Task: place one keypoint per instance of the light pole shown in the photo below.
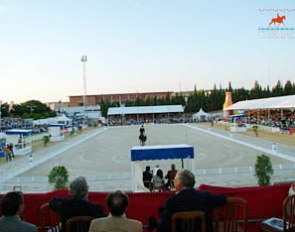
(84, 60)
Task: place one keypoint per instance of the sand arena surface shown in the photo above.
(105, 158)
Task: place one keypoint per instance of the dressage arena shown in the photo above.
(221, 158)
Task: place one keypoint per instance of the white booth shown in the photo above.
(158, 152)
(21, 140)
(56, 132)
(236, 125)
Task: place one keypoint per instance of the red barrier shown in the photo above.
(263, 202)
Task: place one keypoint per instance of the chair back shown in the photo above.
(233, 217)
(289, 213)
(78, 224)
(48, 218)
(188, 221)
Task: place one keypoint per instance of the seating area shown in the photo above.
(262, 202)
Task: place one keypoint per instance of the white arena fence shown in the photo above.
(127, 175)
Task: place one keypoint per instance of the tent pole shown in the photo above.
(182, 166)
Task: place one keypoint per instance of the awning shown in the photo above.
(162, 152)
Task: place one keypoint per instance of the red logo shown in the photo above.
(278, 21)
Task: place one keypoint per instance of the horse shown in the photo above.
(142, 137)
(278, 19)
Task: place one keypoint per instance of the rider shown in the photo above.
(142, 130)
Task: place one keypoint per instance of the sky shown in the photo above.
(140, 46)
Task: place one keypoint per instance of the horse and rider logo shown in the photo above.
(277, 21)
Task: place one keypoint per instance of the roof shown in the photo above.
(285, 102)
(160, 152)
(145, 109)
(19, 132)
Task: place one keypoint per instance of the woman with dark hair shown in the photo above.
(12, 206)
(158, 181)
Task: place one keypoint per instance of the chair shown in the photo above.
(49, 219)
(78, 224)
(187, 221)
(233, 217)
(287, 223)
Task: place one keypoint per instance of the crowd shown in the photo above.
(186, 198)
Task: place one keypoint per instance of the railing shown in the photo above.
(127, 175)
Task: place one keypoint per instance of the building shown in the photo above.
(92, 100)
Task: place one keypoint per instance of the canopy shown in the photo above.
(238, 116)
(162, 152)
(158, 152)
(145, 110)
(201, 114)
(285, 102)
(19, 132)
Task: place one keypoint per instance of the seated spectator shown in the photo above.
(78, 205)
(170, 177)
(12, 206)
(292, 189)
(188, 199)
(147, 177)
(117, 203)
(158, 181)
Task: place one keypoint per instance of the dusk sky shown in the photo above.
(140, 46)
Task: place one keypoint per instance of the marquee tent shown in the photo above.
(285, 102)
(201, 115)
(159, 152)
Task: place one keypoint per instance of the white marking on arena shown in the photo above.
(69, 145)
(269, 151)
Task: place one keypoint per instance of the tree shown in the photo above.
(263, 170)
(288, 89)
(46, 139)
(58, 176)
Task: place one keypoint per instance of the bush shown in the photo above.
(58, 176)
(46, 139)
(263, 170)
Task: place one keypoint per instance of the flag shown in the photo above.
(10, 106)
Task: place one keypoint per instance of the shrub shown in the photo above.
(46, 139)
(263, 170)
(58, 176)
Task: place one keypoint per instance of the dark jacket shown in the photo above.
(189, 200)
(68, 208)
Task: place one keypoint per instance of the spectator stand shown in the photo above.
(159, 152)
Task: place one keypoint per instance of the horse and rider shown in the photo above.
(142, 136)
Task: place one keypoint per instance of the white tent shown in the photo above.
(159, 152)
(285, 102)
(201, 115)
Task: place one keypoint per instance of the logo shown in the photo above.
(276, 26)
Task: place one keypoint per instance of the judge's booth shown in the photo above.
(159, 152)
(21, 140)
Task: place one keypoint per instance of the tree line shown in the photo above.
(210, 100)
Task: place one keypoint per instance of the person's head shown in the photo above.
(184, 179)
(173, 167)
(159, 173)
(79, 188)
(147, 168)
(117, 203)
(12, 204)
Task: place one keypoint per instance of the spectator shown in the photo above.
(117, 203)
(158, 181)
(78, 205)
(170, 177)
(12, 206)
(147, 177)
(292, 189)
(188, 199)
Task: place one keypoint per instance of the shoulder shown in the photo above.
(137, 225)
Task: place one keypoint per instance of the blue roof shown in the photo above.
(19, 132)
(162, 152)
